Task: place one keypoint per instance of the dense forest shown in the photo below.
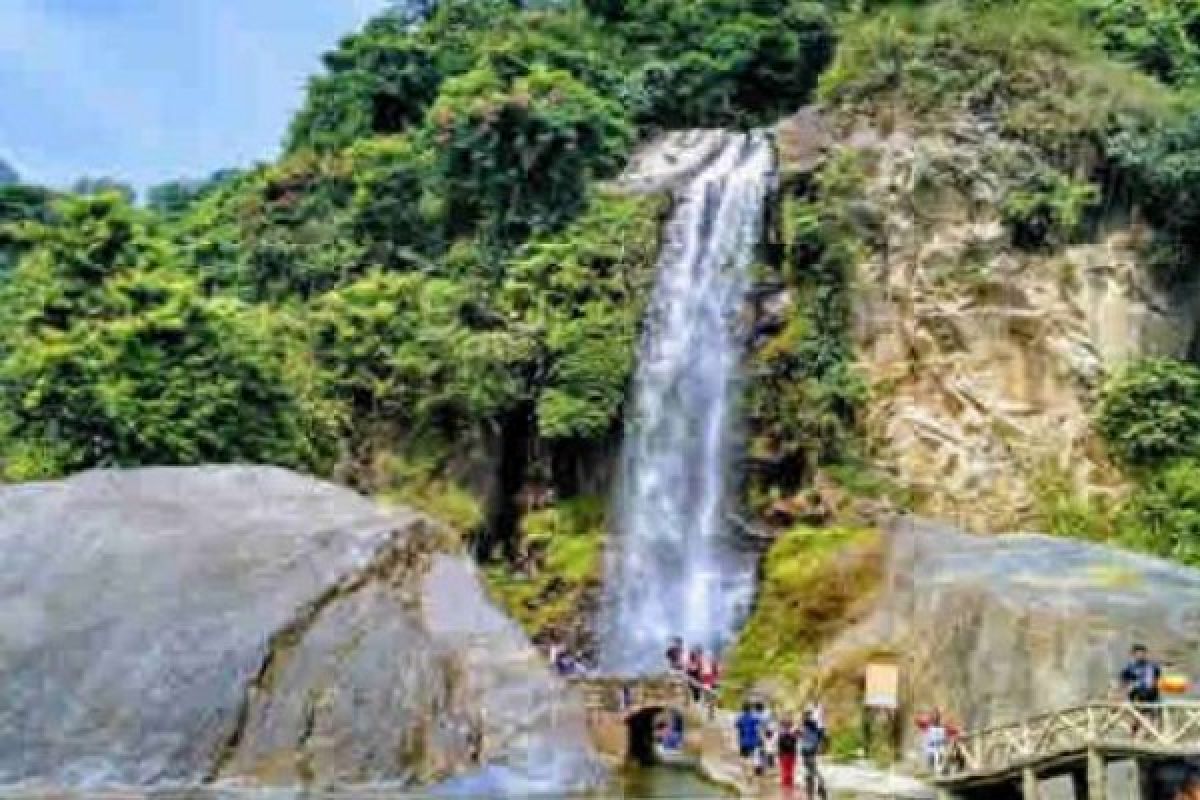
(434, 293)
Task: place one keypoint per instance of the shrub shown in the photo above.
(110, 356)
(1047, 210)
(1163, 515)
(1149, 413)
(516, 157)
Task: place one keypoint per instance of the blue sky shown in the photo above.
(150, 90)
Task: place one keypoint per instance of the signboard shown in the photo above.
(883, 686)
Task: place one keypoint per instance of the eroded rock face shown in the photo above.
(985, 359)
(997, 628)
(250, 625)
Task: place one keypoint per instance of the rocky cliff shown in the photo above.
(252, 626)
(983, 358)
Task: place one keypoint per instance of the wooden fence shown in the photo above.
(1161, 730)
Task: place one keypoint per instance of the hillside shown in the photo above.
(975, 299)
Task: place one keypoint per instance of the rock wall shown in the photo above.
(983, 359)
(993, 629)
(252, 626)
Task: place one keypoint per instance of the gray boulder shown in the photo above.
(253, 626)
(996, 628)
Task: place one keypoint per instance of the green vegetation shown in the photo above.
(111, 356)
(549, 591)
(1150, 412)
(417, 483)
(804, 403)
(433, 282)
(431, 267)
(815, 582)
(1047, 210)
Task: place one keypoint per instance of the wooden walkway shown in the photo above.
(1082, 739)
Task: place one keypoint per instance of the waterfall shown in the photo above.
(673, 567)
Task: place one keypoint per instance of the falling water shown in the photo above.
(673, 567)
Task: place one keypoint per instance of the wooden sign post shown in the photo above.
(881, 702)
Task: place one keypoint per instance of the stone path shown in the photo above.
(844, 781)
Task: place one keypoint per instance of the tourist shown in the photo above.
(1140, 677)
(710, 674)
(787, 745)
(564, 663)
(694, 668)
(812, 738)
(675, 655)
(748, 736)
(935, 741)
(770, 743)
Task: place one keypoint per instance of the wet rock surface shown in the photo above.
(996, 628)
(253, 626)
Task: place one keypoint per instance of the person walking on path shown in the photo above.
(749, 736)
(812, 737)
(788, 745)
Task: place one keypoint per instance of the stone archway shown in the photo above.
(647, 727)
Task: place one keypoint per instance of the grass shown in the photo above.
(815, 583)
(564, 548)
(415, 484)
(1032, 61)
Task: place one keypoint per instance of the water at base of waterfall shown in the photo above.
(673, 567)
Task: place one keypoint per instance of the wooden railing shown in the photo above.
(1166, 730)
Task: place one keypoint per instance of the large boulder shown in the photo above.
(996, 628)
(250, 625)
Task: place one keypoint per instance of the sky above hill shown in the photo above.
(150, 90)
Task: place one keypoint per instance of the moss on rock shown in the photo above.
(816, 583)
(551, 592)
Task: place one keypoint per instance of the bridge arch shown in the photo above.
(627, 715)
(649, 726)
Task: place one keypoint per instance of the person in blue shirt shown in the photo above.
(749, 733)
(1140, 677)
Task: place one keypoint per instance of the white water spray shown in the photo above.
(673, 567)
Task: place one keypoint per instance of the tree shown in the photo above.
(379, 81)
(111, 356)
(516, 157)
(90, 185)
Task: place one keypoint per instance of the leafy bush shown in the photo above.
(517, 157)
(1163, 516)
(378, 81)
(400, 346)
(110, 356)
(1047, 210)
(1162, 38)
(1149, 413)
(1161, 167)
(584, 290)
(1032, 64)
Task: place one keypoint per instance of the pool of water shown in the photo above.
(664, 782)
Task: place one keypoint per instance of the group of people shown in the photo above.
(703, 669)
(765, 746)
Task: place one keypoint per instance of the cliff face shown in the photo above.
(253, 626)
(983, 358)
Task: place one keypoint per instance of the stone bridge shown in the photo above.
(621, 713)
